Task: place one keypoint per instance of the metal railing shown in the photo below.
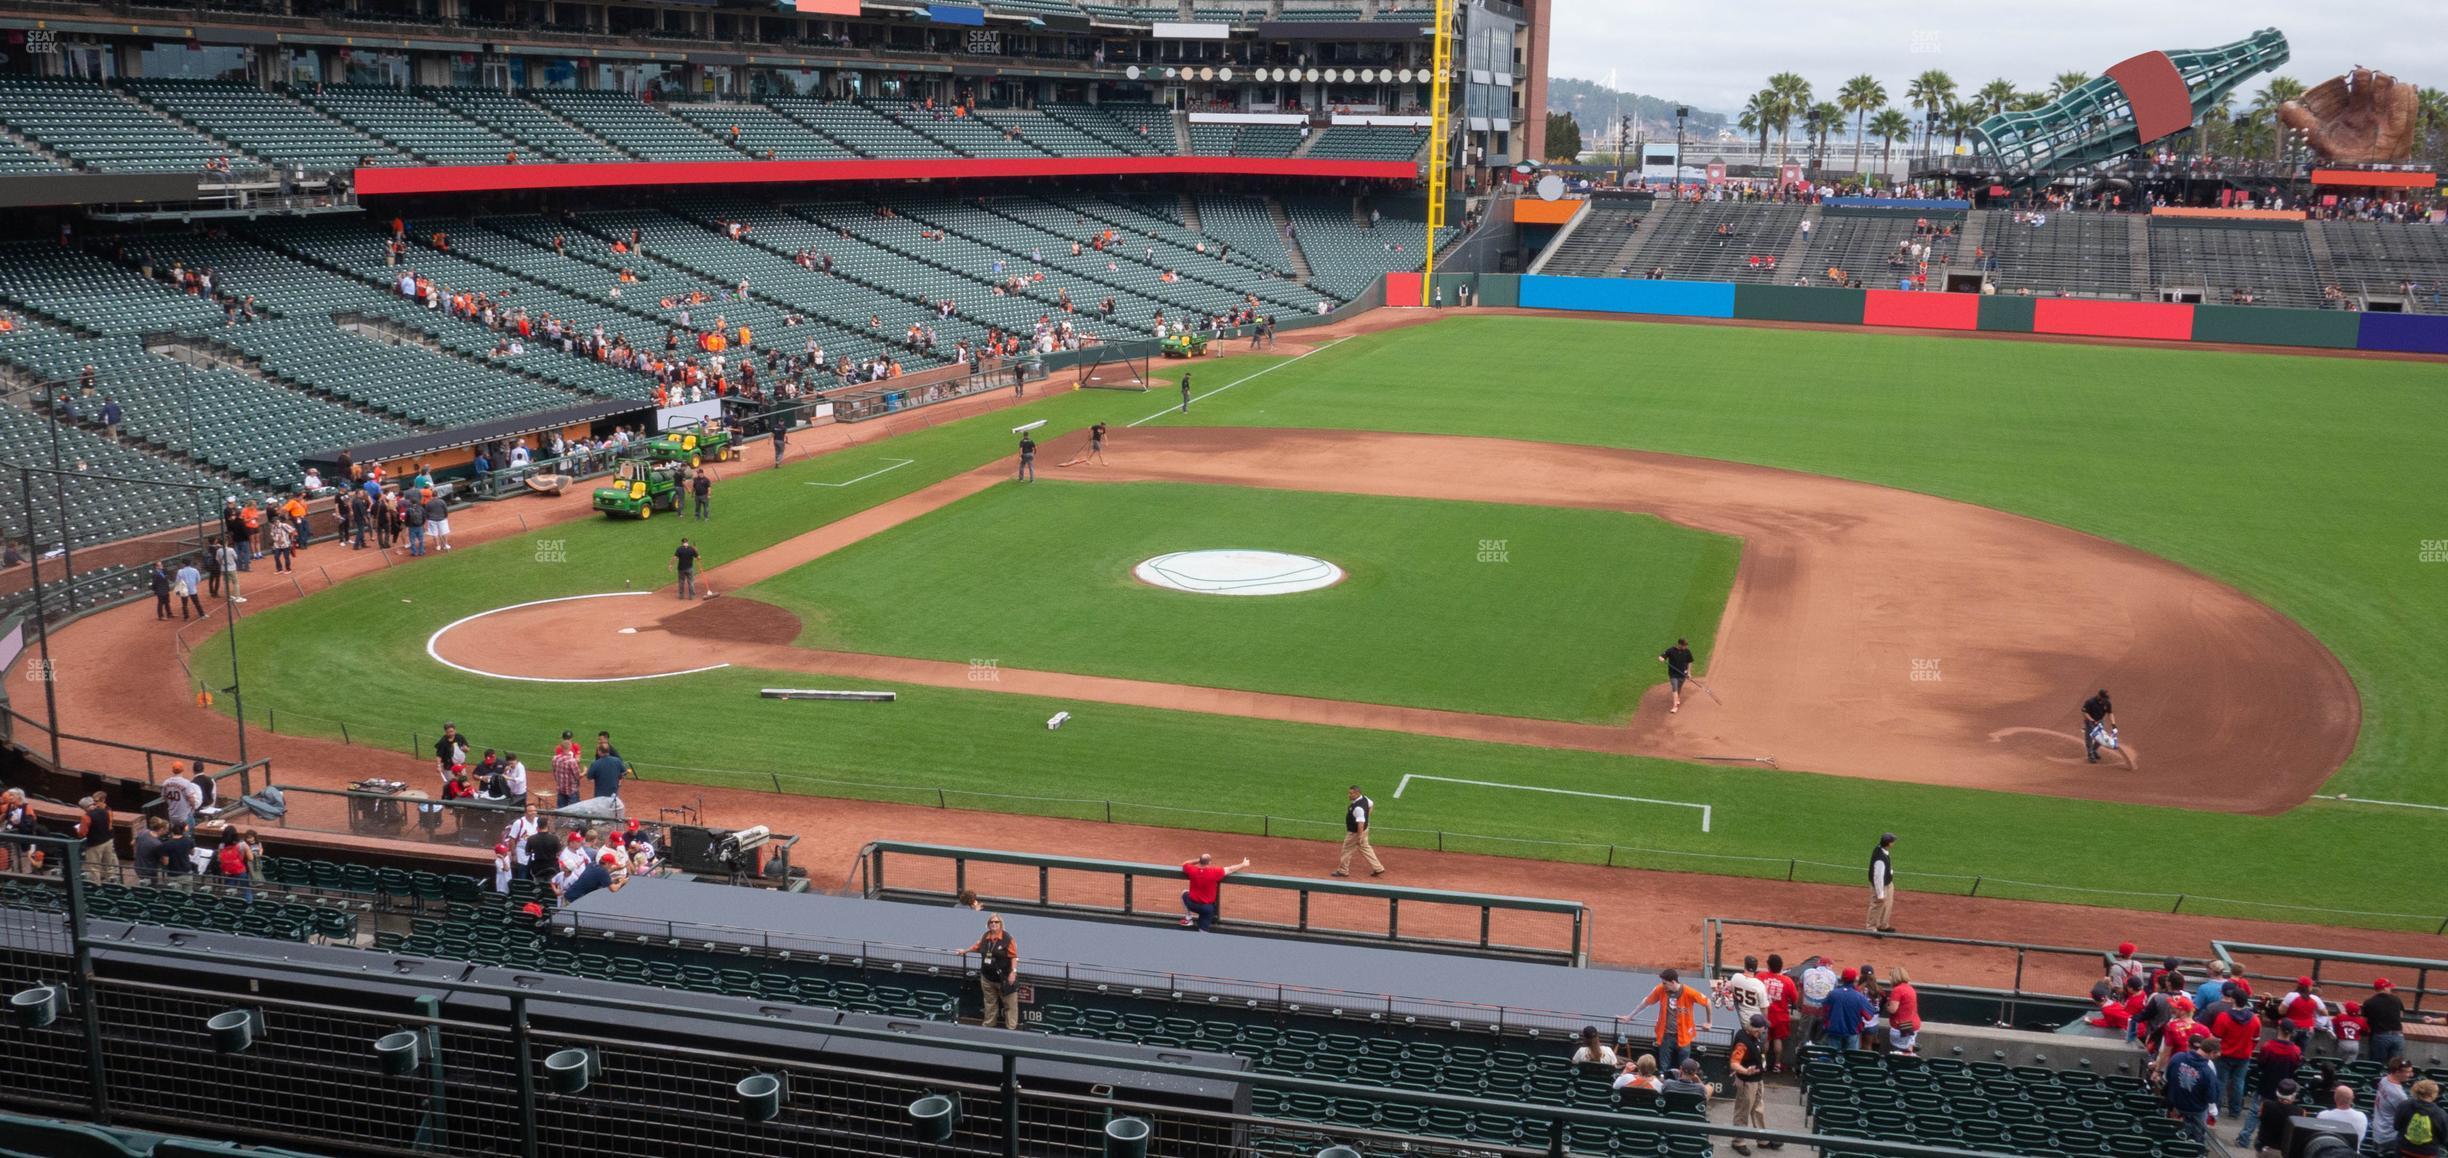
(2320, 965)
(328, 1051)
(873, 880)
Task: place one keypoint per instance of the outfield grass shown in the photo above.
(2308, 482)
(1559, 622)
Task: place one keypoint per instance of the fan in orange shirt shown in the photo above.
(1675, 1002)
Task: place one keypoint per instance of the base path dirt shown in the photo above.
(1871, 632)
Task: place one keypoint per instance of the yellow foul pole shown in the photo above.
(1440, 140)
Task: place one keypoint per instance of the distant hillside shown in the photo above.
(1594, 107)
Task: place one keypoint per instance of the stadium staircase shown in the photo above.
(1301, 268)
(1975, 235)
(1181, 131)
(12, 164)
(1309, 142)
(2138, 246)
(1190, 213)
(2324, 265)
(1790, 262)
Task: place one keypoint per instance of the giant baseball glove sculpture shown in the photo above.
(2363, 117)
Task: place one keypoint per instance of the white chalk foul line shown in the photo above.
(2389, 803)
(898, 463)
(436, 638)
(1241, 379)
(1408, 777)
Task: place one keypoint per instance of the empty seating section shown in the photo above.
(16, 160)
(762, 132)
(1214, 140)
(410, 382)
(2077, 254)
(1093, 276)
(1159, 217)
(971, 136)
(1175, 248)
(2379, 257)
(424, 129)
(89, 293)
(1269, 140)
(1596, 247)
(2272, 265)
(1871, 247)
(1685, 242)
(1346, 257)
(635, 126)
(1368, 143)
(98, 510)
(267, 124)
(891, 253)
(870, 133)
(1247, 224)
(1050, 134)
(1144, 129)
(1321, 12)
(225, 419)
(1988, 1106)
(530, 124)
(100, 128)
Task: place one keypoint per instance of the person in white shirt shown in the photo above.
(514, 777)
(1818, 981)
(1594, 1051)
(2345, 1114)
(1748, 993)
(518, 832)
(503, 858)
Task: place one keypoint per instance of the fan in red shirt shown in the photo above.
(2302, 1009)
(1206, 892)
(1783, 995)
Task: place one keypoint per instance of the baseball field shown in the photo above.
(1903, 559)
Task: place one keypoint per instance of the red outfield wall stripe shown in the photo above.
(1924, 311)
(1404, 289)
(2090, 319)
(496, 178)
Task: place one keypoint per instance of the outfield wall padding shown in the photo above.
(1988, 313)
(1922, 311)
(1999, 315)
(1679, 299)
(1786, 303)
(2259, 326)
(1488, 289)
(2095, 319)
(2404, 333)
(1402, 289)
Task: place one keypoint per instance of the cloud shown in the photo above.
(1714, 56)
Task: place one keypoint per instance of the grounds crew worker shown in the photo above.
(2098, 717)
(998, 968)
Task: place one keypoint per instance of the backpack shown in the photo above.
(2419, 1130)
(232, 860)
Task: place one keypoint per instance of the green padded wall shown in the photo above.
(1785, 303)
(2261, 325)
(2006, 315)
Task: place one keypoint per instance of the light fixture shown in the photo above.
(36, 1008)
(399, 1052)
(234, 1030)
(934, 1116)
(570, 1070)
(1127, 1138)
(760, 1097)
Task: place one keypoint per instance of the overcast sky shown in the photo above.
(1714, 55)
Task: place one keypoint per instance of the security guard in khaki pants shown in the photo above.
(998, 971)
(1355, 835)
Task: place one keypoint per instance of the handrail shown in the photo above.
(872, 856)
(2422, 968)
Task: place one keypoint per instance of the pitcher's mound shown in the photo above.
(732, 619)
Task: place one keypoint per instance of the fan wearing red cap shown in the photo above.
(504, 867)
(2384, 1022)
(2123, 967)
(2302, 1010)
(597, 876)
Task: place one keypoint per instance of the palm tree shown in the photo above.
(2251, 132)
(1961, 117)
(1859, 96)
(2066, 82)
(1930, 93)
(2210, 131)
(1996, 96)
(1888, 125)
(2279, 91)
(2431, 113)
(1794, 99)
(1826, 120)
(1759, 116)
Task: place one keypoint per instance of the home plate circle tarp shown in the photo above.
(1238, 572)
